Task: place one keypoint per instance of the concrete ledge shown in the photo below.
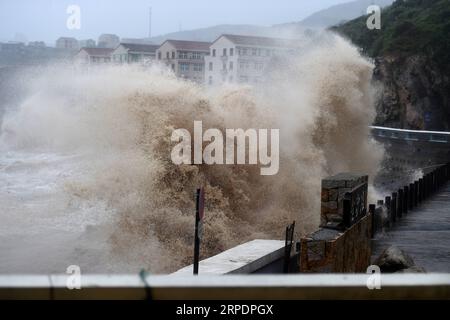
(317, 286)
(244, 259)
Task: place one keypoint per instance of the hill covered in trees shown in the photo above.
(412, 54)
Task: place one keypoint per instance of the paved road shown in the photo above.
(423, 233)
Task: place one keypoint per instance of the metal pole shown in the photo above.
(197, 239)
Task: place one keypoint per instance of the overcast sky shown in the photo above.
(46, 19)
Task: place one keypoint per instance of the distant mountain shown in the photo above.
(212, 33)
(340, 13)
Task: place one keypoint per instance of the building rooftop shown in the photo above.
(190, 45)
(140, 47)
(261, 41)
(98, 51)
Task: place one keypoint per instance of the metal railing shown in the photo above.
(272, 287)
(411, 135)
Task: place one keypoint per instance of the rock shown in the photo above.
(394, 259)
(413, 269)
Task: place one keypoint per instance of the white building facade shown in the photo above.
(185, 58)
(243, 59)
(134, 53)
(93, 56)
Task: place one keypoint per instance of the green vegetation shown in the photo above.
(408, 27)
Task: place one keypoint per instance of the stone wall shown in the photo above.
(328, 250)
(342, 244)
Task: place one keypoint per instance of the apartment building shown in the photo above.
(185, 58)
(244, 59)
(108, 40)
(93, 56)
(134, 53)
(67, 43)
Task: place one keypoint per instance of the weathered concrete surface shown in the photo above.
(327, 250)
(244, 259)
(424, 233)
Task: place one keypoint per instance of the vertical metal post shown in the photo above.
(416, 193)
(406, 199)
(199, 211)
(400, 203)
(372, 208)
(411, 196)
(197, 239)
(387, 202)
(288, 246)
(394, 207)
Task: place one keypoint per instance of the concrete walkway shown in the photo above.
(423, 233)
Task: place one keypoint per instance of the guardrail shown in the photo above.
(273, 287)
(408, 197)
(411, 135)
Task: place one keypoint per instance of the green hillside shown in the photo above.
(408, 27)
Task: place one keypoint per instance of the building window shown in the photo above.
(244, 51)
(183, 55)
(224, 52)
(210, 66)
(214, 52)
(173, 66)
(159, 55)
(167, 55)
(198, 67)
(254, 51)
(231, 52)
(184, 66)
(196, 55)
(259, 66)
(243, 65)
(231, 65)
(173, 54)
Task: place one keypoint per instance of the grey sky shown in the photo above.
(46, 19)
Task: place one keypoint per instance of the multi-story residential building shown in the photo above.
(185, 58)
(244, 59)
(93, 56)
(107, 40)
(134, 53)
(88, 43)
(67, 43)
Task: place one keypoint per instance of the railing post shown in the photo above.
(400, 203)
(372, 212)
(420, 190)
(394, 207)
(387, 202)
(416, 193)
(406, 199)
